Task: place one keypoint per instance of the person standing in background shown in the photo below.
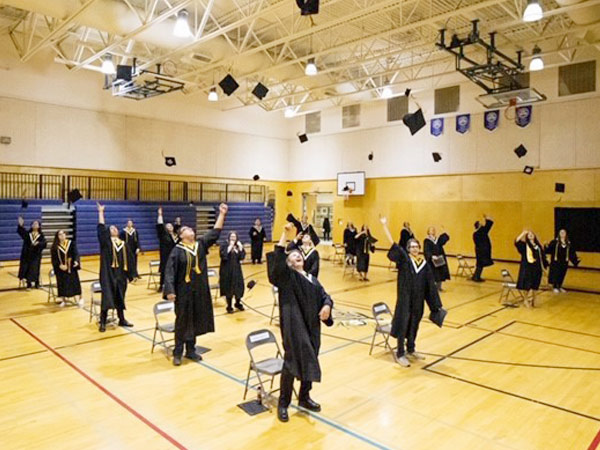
(533, 263)
(34, 242)
(561, 252)
(257, 237)
(483, 247)
(132, 242)
(350, 243)
(326, 229)
(231, 278)
(66, 265)
(436, 256)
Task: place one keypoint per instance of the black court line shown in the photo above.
(559, 329)
(103, 338)
(8, 358)
(481, 297)
(508, 363)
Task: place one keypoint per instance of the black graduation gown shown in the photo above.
(231, 278)
(166, 243)
(304, 229)
(530, 274)
(67, 281)
(405, 236)
(113, 274)
(364, 246)
(193, 301)
(560, 255)
(31, 255)
(483, 245)
(350, 241)
(431, 248)
(300, 300)
(416, 285)
(256, 242)
(326, 225)
(132, 242)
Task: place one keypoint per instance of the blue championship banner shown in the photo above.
(523, 115)
(463, 123)
(437, 126)
(491, 119)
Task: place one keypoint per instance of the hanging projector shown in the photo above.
(130, 83)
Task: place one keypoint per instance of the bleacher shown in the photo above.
(241, 217)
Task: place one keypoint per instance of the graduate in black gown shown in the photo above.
(304, 244)
(533, 263)
(34, 242)
(326, 229)
(561, 252)
(350, 243)
(177, 225)
(186, 283)
(405, 235)
(433, 248)
(365, 245)
(113, 271)
(303, 304)
(483, 246)
(302, 226)
(416, 285)
(132, 242)
(257, 237)
(66, 265)
(167, 240)
(231, 278)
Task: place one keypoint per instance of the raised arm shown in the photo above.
(212, 236)
(487, 226)
(101, 219)
(21, 228)
(522, 236)
(103, 232)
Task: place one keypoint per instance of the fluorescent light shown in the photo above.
(386, 92)
(212, 95)
(182, 26)
(289, 112)
(536, 63)
(533, 12)
(311, 67)
(108, 67)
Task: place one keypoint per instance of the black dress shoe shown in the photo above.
(282, 414)
(310, 404)
(102, 328)
(176, 360)
(239, 306)
(124, 323)
(229, 310)
(194, 357)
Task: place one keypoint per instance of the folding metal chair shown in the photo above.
(51, 286)
(509, 289)
(268, 368)
(383, 326)
(275, 308)
(464, 269)
(96, 303)
(349, 268)
(161, 308)
(339, 254)
(214, 284)
(154, 274)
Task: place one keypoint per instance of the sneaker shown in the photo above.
(402, 361)
(176, 360)
(62, 304)
(562, 290)
(194, 357)
(416, 355)
(556, 290)
(80, 303)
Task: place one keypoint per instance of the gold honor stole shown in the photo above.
(64, 248)
(191, 255)
(117, 246)
(418, 263)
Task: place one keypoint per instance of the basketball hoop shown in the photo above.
(348, 193)
(512, 104)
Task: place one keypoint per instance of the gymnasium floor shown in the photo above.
(494, 377)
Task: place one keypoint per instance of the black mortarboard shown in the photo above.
(308, 7)
(407, 92)
(290, 217)
(370, 156)
(289, 193)
(528, 170)
(256, 177)
(436, 157)
(559, 187)
(303, 138)
(346, 188)
(24, 204)
(170, 161)
(251, 284)
(74, 195)
(414, 121)
(438, 316)
(520, 151)
(260, 91)
(228, 84)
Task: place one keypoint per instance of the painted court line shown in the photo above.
(103, 389)
(595, 443)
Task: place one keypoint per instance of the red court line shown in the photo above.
(103, 389)
(595, 443)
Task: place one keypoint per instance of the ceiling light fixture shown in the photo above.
(536, 63)
(533, 12)
(212, 95)
(182, 25)
(108, 67)
(311, 67)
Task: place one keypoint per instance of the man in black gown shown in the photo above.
(483, 246)
(186, 283)
(167, 239)
(113, 271)
(303, 304)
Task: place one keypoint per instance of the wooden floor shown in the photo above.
(494, 377)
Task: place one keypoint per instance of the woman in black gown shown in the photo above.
(132, 242)
(533, 263)
(113, 271)
(231, 278)
(364, 246)
(433, 248)
(34, 242)
(257, 237)
(561, 252)
(416, 285)
(66, 264)
(350, 243)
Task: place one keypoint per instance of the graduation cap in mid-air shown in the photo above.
(24, 203)
(528, 170)
(559, 187)
(170, 161)
(74, 195)
(520, 151)
(438, 316)
(436, 157)
(407, 92)
(256, 177)
(228, 84)
(251, 284)
(303, 138)
(414, 121)
(289, 193)
(370, 157)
